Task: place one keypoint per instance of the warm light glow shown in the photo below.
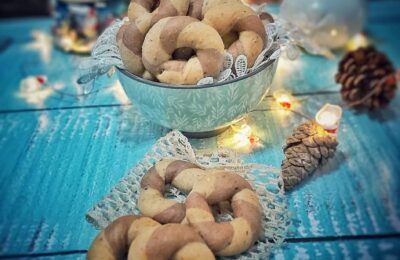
(329, 118)
(334, 32)
(43, 44)
(244, 136)
(359, 40)
(245, 129)
(283, 98)
(241, 138)
(33, 90)
(284, 102)
(66, 42)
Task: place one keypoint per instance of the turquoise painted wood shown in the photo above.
(20, 29)
(60, 157)
(359, 249)
(343, 198)
(57, 164)
(62, 74)
(345, 249)
(305, 75)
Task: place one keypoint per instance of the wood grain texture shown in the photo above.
(346, 249)
(355, 193)
(359, 249)
(305, 75)
(57, 164)
(62, 74)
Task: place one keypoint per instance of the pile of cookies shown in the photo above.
(171, 230)
(183, 41)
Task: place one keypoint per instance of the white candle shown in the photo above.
(329, 118)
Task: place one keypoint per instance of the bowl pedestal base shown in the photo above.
(207, 134)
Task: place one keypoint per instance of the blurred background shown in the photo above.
(23, 8)
(48, 39)
(15, 8)
(20, 8)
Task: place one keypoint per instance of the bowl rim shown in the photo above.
(169, 86)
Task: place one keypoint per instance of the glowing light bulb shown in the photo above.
(41, 79)
(283, 98)
(241, 139)
(359, 40)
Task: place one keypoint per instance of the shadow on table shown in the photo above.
(385, 115)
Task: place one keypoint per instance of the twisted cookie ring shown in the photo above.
(197, 8)
(146, 12)
(152, 203)
(130, 39)
(228, 238)
(172, 33)
(143, 238)
(231, 19)
(142, 15)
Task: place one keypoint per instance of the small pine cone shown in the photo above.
(365, 71)
(305, 150)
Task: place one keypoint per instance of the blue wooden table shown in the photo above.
(63, 153)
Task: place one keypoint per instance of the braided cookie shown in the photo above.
(240, 27)
(142, 15)
(138, 238)
(197, 8)
(173, 33)
(130, 39)
(152, 203)
(228, 238)
(148, 12)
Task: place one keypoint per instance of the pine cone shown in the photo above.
(306, 149)
(362, 72)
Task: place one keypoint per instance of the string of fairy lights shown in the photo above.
(243, 138)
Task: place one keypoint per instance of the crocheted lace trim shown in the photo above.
(267, 181)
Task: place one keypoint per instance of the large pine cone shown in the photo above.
(362, 72)
(306, 149)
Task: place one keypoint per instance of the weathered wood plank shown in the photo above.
(346, 249)
(19, 29)
(307, 74)
(61, 89)
(358, 249)
(56, 164)
(79, 254)
(355, 193)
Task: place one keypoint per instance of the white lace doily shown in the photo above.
(105, 54)
(267, 181)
